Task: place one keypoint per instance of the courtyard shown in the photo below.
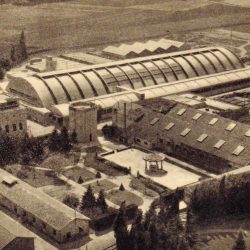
(175, 177)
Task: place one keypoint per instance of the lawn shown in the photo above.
(100, 166)
(118, 196)
(75, 172)
(99, 185)
(138, 185)
(57, 192)
(34, 178)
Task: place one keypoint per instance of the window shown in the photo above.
(197, 116)
(14, 127)
(34, 219)
(7, 129)
(54, 231)
(213, 121)
(202, 138)
(138, 140)
(185, 131)
(219, 144)
(24, 213)
(154, 121)
(238, 150)
(181, 111)
(169, 126)
(20, 126)
(231, 126)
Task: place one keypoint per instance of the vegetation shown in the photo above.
(240, 243)
(118, 197)
(71, 200)
(155, 230)
(88, 200)
(225, 197)
(121, 188)
(98, 175)
(101, 202)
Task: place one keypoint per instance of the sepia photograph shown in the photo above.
(124, 125)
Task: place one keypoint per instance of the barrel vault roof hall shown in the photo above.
(58, 87)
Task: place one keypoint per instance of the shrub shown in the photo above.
(121, 188)
(98, 175)
(80, 180)
(21, 174)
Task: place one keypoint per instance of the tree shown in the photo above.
(121, 188)
(240, 243)
(2, 73)
(120, 230)
(64, 140)
(101, 202)
(183, 244)
(80, 180)
(98, 175)
(71, 200)
(54, 141)
(22, 46)
(88, 199)
(13, 56)
(74, 137)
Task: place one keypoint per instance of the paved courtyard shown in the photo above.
(175, 177)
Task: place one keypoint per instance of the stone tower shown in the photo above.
(83, 120)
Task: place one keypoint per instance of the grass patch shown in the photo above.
(33, 177)
(75, 172)
(101, 166)
(99, 185)
(138, 185)
(117, 197)
(57, 192)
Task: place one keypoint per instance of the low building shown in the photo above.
(204, 139)
(40, 210)
(139, 49)
(10, 241)
(12, 117)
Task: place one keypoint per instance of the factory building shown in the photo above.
(140, 49)
(12, 117)
(40, 210)
(201, 138)
(60, 87)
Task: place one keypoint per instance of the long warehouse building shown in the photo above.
(60, 87)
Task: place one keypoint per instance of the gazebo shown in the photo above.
(155, 161)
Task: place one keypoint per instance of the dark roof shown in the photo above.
(207, 132)
(6, 237)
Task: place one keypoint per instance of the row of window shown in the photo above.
(14, 127)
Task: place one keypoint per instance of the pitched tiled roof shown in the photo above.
(210, 133)
(36, 202)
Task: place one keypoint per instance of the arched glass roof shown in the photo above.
(97, 80)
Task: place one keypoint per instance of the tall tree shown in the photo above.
(88, 199)
(74, 137)
(13, 56)
(23, 48)
(101, 202)
(240, 243)
(54, 141)
(120, 230)
(2, 73)
(65, 140)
